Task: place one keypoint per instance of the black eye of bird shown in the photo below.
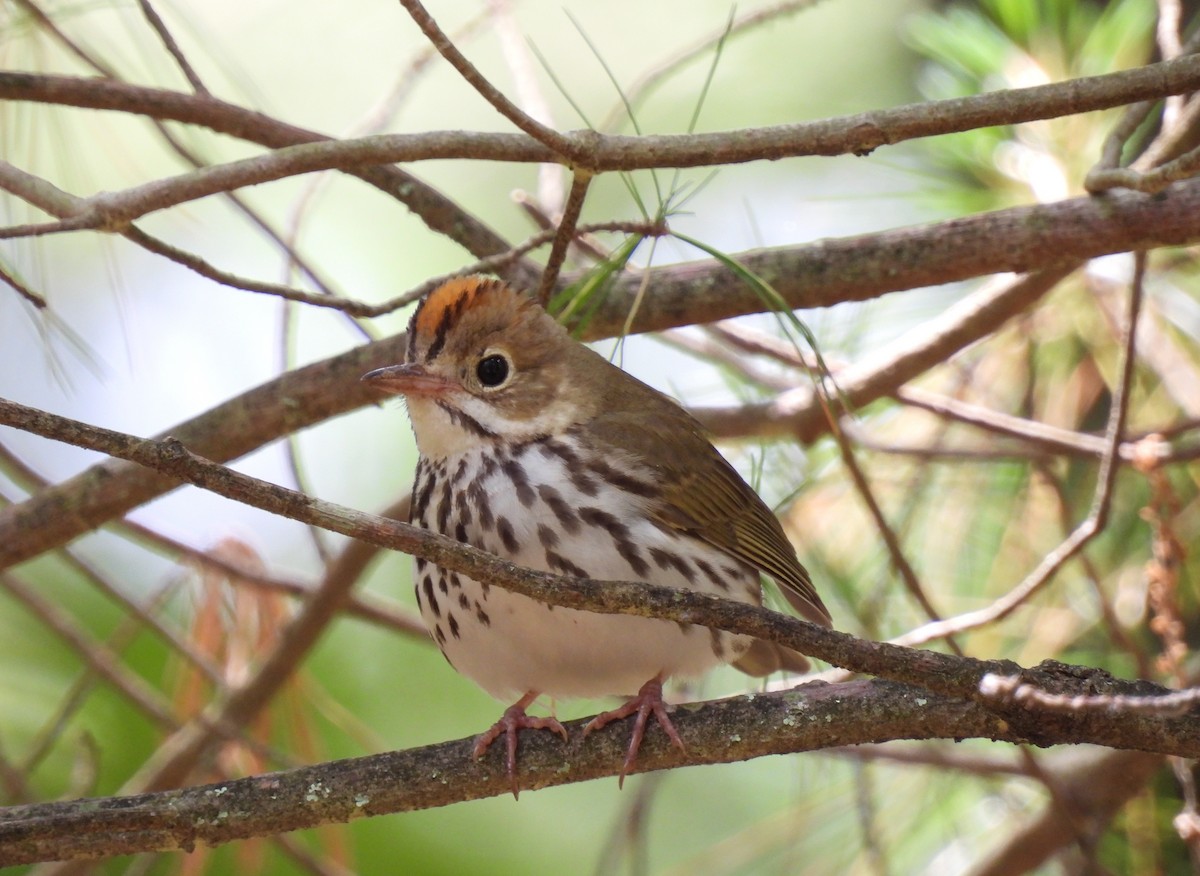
(492, 370)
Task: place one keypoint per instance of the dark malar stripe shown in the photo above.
(469, 424)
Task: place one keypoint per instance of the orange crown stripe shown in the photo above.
(459, 293)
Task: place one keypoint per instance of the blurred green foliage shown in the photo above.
(975, 514)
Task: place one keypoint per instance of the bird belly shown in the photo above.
(551, 518)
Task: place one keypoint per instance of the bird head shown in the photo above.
(486, 363)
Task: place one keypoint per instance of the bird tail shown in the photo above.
(765, 658)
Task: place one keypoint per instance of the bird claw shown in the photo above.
(511, 723)
(649, 701)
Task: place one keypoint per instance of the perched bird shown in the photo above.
(537, 449)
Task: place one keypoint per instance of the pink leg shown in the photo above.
(648, 701)
(510, 724)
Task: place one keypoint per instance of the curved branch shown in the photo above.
(950, 698)
(807, 718)
(549, 137)
(867, 266)
(437, 211)
(173, 462)
(858, 134)
(291, 402)
(813, 275)
(811, 717)
(951, 675)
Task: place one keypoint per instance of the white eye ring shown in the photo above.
(493, 370)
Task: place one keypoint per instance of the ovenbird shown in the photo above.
(537, 449)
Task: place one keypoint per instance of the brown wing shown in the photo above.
(703, 495)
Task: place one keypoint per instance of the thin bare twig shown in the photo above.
(639, 598)
(710, 347)
(567, 230)
(1043, 436)
(1149, 181)
(288, 293)
(649, 80)
(21, 289)
(858, 476)
(1013, 689)
(1113, 627)
(437, 211)
(564, 146)
(374, 121)
(284, 242)
(1170, 142)
(887, 368)
(1108, 173)
(72, 699)
(61, 204)
(159, 26)
(1097, 517)
(497, 262)
(364, 607)
(98, 656)
(47, 24)
(851, 134)
(515, 46)
(179, 753)
(811, 276)
(587, 246)
(144, 617)
(830, 401)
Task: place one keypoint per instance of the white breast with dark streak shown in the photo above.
(549, 505)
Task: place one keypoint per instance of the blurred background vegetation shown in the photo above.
(136, 343)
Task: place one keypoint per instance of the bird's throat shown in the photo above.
(439, 432)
